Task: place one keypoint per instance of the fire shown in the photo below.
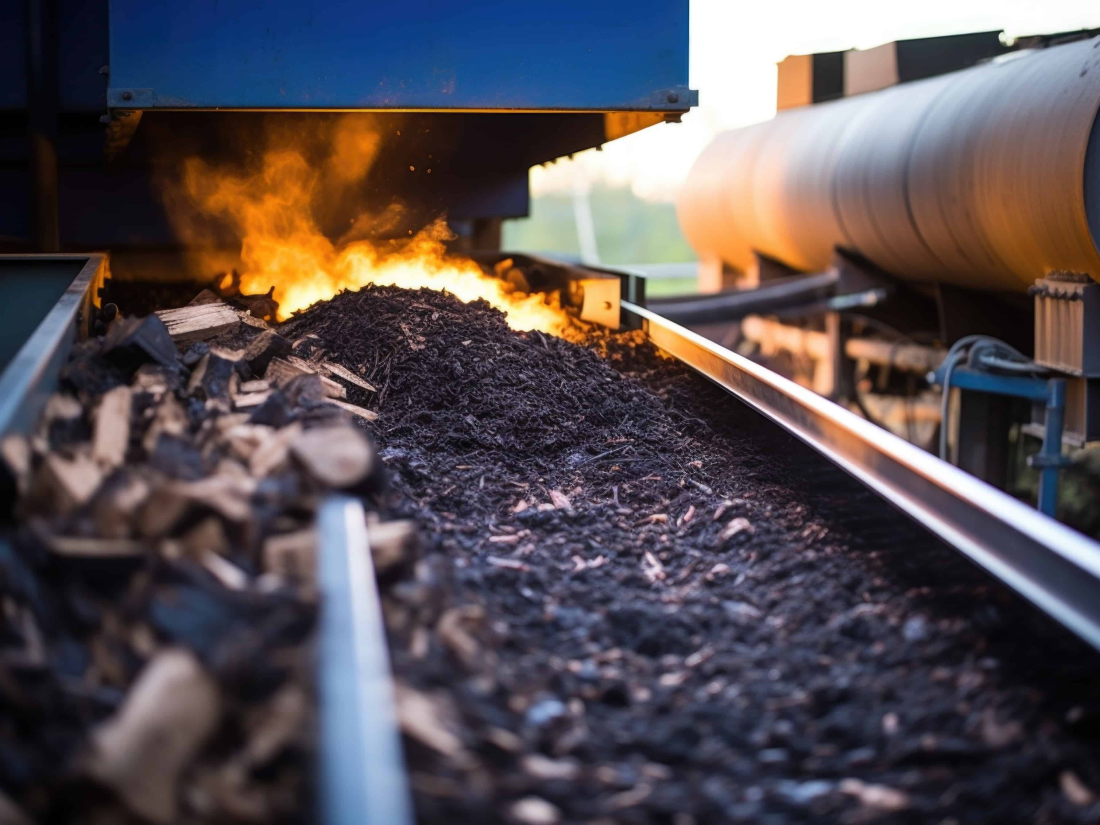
(282, 246)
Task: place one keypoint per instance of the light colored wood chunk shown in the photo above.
(141, 751)
(112, 428)
(335, 456)
(361, 412)
(291, 554)
(71, 483)
(94, 548)
(198, 322)
(247, 400)
(258, 385)
(349, 376)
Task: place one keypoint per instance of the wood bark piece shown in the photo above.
(211, 377)
(361, 412)
(337, 457)
(224, 494)
(263, 348)
(141, 751)
(349, 376)
(207, 296)
(198, 321)
(273, 453)
(111, 436)
(281, 371)
(131, 342)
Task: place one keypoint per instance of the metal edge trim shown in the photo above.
(363, 780)
(1053, 566)
(26, 383)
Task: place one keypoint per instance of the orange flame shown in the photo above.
(282, 246)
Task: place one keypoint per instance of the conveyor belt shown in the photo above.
(1053, 566)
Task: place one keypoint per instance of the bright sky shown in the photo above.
(735, 45)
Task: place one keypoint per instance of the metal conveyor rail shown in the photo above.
(1053, 566)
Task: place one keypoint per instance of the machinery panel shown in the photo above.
(427, 54)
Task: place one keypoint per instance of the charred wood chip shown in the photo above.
(177, 458)
(210, 378)
(131, 342)
(141, 751)
(91, 375)
(275, 411)
(261, 306)
(205, 297)
(195, 353)
(155, 380)
(302, 388)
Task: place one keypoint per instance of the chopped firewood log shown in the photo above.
(361, 412)
(142, 749)
(248, 400)
(199, 321)
(281, 371)
(245, 439)
(349, 376)
(205, 297)
(337, 457)
(264, 347)
(258, 385)
(224, 494)
(392, 543)
(132, 341)
(95, 548)
(275, 411)
(169, 419)
(274, 452)
(154, 379)
(117, 501)
(291, 554)
(67, 483)
(258, 323)
(210, 378)
(112, 428)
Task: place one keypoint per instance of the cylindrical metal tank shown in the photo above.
(987, 177)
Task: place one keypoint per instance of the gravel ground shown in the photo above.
(642, 603)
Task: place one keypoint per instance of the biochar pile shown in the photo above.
(640, 602)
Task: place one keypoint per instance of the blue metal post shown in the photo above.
(1050, 455)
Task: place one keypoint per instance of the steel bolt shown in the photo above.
(127, 95)
(673, 97)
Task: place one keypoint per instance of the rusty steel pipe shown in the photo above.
(987, 178)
